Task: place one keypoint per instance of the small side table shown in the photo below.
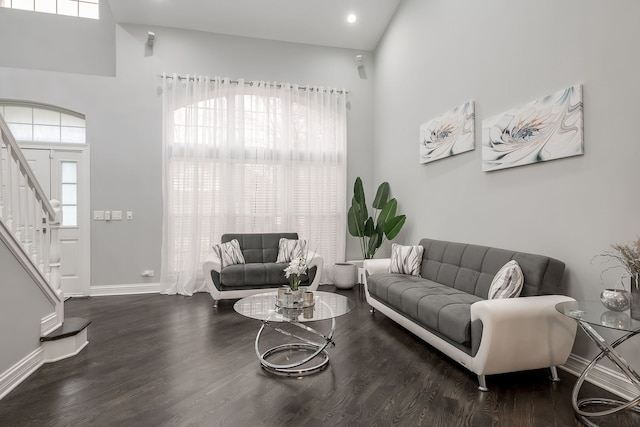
(589, 314)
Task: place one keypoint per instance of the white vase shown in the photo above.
(345, 275)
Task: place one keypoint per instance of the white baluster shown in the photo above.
(54, 249)
(43, 245)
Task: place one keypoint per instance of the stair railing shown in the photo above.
(27, 214)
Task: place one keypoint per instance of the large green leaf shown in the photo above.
(356, 228)
(382, 195)
(388, 211)
(358, 195)
(374, 243)
(368, 227)
(393, 226)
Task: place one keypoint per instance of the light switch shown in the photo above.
(116, 215)
(107, 215)
(129, 215)
(98, 215)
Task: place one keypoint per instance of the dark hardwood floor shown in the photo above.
(156, 360)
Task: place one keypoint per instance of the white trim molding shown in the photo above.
(125, 289)
(601, 376)
(20, 371)
(50, 323)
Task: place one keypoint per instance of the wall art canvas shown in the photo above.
(547, 129)
(450, 134)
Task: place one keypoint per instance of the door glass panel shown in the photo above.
(69, 173)
(69, 192)
(69, 216)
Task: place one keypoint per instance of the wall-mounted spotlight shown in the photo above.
(359, 60)
(151, 37)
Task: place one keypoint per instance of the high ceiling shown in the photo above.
(318, 22)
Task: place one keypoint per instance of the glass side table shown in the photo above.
(589, 314)
(313, 356)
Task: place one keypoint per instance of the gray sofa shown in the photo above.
(260, 273)
(448, 308)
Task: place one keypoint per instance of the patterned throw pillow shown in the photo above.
(229, 253)
(406, 259)
(289, 249)
(508, 282)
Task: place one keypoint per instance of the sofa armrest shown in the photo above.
(376, 266)
(521, 334)
(315, 260)
(211, 263)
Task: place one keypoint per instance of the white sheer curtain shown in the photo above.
(257, 157)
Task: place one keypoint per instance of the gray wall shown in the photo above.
(502, 54)
(22, 306)
(61, 43)
(124, 119)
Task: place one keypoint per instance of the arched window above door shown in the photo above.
(34, 122)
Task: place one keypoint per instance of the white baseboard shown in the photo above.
(126, 289)
(603, 377)
(20, 371)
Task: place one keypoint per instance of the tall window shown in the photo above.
(250, 158)
(79, 8)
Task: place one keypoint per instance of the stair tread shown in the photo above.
(70, 327)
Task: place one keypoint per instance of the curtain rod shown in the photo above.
(250, 83)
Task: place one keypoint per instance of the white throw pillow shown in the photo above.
(406, 259)
(229, 253)
(289, 249)
(508, 282)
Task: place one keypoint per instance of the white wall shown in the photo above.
(502, 54)
(60, 43)
(124, 119)
(22, 306)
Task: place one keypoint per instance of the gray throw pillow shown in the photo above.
(406, 259)
(508, 281)
(289, 249)
(229, 253)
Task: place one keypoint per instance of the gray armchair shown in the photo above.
(260, 272)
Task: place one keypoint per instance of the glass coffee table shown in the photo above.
(589, 314)
(310, 355)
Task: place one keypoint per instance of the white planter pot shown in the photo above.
(345, 275)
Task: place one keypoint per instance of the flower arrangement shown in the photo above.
(294, 272)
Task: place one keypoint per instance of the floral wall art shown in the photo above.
(450, 134)
(547, 129)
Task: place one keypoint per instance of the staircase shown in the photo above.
(29, 225)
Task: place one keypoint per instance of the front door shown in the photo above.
(63, 175)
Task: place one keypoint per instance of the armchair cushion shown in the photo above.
(229, 253)
(289, 249)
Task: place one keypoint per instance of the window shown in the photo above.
(251, 158)
(43, 124)
(79, 8)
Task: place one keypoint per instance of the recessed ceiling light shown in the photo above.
(351, 18)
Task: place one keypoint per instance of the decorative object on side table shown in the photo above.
(372, 230)
(628, 255)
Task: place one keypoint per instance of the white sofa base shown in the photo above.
(518, 334)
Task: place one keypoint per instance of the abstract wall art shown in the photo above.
(450, 134)
(547, 129)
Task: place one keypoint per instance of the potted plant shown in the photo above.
(372, 230)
